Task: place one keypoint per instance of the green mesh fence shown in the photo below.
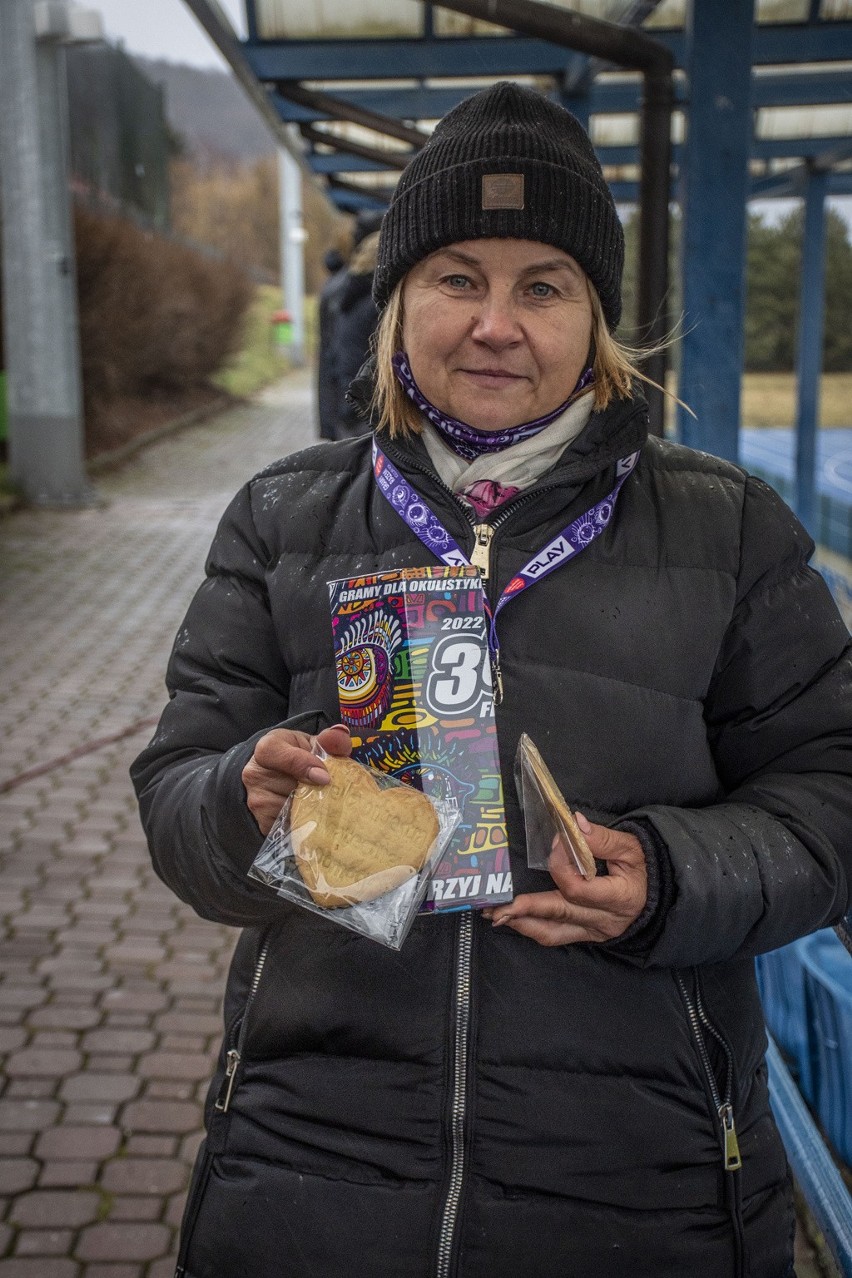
(119, 138)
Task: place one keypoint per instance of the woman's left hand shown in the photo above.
(598, 909)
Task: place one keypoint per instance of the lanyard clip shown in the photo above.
(496, 676)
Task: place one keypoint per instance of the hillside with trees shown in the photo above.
(224, 177)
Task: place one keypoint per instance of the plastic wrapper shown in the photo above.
(360, 851)
(547, 814)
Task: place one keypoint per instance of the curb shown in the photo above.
(10, 502)
(115, 456)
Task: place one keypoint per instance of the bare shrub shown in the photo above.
(155, 317)
(235, 208)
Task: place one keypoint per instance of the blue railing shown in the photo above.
(806, 990)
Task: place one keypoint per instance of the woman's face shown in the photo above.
(497, 332)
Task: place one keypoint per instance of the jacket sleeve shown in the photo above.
(772, 860)
(227, 687)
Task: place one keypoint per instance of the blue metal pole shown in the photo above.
(574, 87)
(809, 347)
(714, 191)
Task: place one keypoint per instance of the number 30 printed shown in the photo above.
(459, 675)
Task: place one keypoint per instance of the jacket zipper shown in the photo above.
(481, 552)
(731, 1160)
(724, 1109)
(461, 1045)
(235, 1054)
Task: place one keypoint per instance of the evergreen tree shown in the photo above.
(773, 271)
(774, 281)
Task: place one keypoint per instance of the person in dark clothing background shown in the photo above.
(571, 1084)
(357, 318)
(327, 312)
(347, 320)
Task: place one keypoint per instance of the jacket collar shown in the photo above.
(608, 436)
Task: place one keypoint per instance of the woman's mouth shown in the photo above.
(491, 376)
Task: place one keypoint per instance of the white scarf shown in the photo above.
(519, 465)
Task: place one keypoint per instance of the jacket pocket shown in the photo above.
(717, 1066)
(235, 1043)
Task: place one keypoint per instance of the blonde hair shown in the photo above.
(614, 365)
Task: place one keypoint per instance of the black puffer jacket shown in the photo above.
(477, 1105)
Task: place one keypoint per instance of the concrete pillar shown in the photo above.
(46, 442)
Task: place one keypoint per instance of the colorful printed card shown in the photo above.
(414, 680)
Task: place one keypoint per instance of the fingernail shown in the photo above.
(344, 726)
(583, 822)
(317, 776)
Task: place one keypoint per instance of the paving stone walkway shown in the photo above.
(110, 989)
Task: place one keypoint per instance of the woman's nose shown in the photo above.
(496, 323)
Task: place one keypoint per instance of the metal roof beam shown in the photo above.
(349, 202)
(335, 109)
(469, 56)
(794, 88)
(351, 158)
(624, 46)
(346, 150)
(819, 149)
(371, 59)
(380, 195)
(778, 43)
(780, 187)
(794, 181)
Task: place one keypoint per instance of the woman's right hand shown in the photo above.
(280, 761)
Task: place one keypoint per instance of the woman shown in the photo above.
(572, 1083)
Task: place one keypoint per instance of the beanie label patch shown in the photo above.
(503, 191)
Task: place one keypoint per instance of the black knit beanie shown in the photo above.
(506, 162)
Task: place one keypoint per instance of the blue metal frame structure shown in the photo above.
(728, 73)
(467, 56)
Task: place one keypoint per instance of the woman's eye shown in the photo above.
(457, 281)
(541, 289)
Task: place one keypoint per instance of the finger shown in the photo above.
(289, 754)
(335, 740)
(265, 814)
(547, 933)
(542, 905)
(551, 906)
(562, 862)
(616, 896)
(541, 915)
(610, 845)
(601, 892)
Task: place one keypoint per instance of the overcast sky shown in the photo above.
(165, 29)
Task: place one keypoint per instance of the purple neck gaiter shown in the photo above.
(465, 440)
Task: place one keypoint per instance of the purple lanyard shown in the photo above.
(426, 525)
